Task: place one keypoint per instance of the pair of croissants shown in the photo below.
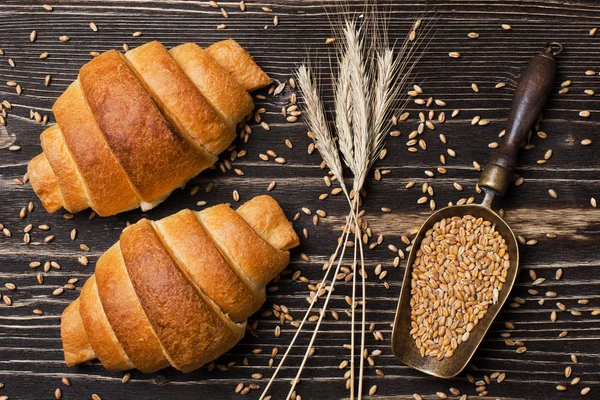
(131, 129)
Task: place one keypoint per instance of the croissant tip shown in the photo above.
(45, 183)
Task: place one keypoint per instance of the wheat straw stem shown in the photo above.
(358, 243)
(364, 313)
(323, 311)
(352, 338)
(352, 333)
(312, 303)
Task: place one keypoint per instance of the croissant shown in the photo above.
(178, 291)
(132, 128)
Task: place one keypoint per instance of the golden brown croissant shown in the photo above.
(132, 128)
(178, 291)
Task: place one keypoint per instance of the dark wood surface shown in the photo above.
(31, 363)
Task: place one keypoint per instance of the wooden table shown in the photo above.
(31, 363)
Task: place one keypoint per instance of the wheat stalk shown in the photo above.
(367, 85)
(343, 239)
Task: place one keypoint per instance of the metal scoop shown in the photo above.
(528, 100)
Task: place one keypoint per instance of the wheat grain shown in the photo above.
(438, 245)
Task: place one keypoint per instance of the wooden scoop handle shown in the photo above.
(528, 100)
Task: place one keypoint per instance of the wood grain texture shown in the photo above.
(31, 364)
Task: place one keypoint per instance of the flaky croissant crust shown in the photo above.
(132, 128)
(178, 291)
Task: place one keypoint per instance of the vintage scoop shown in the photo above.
(528, 100)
